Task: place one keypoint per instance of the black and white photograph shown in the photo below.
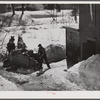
(49, 47)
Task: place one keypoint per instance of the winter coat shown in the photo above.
(41, 52)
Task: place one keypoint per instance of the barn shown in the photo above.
(89, 25)
(85, 41)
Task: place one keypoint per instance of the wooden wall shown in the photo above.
(89, 25)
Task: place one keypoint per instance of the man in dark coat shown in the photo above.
(42, 56)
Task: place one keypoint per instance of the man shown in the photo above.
(42, 55)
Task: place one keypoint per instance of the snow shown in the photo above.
(82, 76)
(51, 81)
(6, 85)
(90, 71)
(40, 30)
(74, 76)
(55, 52)
(86, 73)
(45, 37)
(54, 79)
(37, 27)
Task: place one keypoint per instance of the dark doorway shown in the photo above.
(89, 48)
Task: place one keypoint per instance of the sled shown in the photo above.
(17, 60)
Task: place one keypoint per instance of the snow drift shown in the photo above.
(90, 72)
(86, 73)
(73, 76)
(6, 85)
(55, 52)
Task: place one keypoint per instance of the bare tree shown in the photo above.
(22, 8)
(13, 9)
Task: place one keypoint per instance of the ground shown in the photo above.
(54, 79)
(38, 27)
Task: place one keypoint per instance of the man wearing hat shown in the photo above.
(42, 56)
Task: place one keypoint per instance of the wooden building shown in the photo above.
(72, 44)
(89, 26)
(85, 41)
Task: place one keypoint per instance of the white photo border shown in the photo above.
(50, 94)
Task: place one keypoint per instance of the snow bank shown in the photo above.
(16, 78)
(74, 77)
(53, 79)
(86, 74)
(90, 72)
(55, 52)
(6, 85)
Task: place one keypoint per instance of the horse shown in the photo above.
(11, 44)
(20, 44)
